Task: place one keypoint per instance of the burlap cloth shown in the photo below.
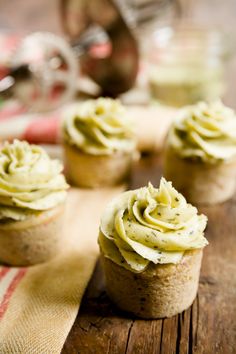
(39, 304)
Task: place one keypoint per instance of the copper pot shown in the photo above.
(115, 72)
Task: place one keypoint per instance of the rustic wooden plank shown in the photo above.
(100, 327)
(138, 337)
(209, 326)
(217, 291)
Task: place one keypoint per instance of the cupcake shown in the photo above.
(151, 243)
(200, 156)
(98, 143)
(32, 198)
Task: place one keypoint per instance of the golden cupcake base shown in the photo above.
(162, 290)
(32, 241)
(200, 182)
(93, 171)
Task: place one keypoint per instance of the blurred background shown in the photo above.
(146, 52)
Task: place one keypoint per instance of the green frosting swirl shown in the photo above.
(206, 131)
(98, 127)
(30, 182)
(150, 225)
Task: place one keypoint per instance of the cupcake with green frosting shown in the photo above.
(200, 157)
(32, 198)
(151, 243)
(98, 142)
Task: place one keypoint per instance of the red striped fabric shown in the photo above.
(3, 272)
(11, 288)
(43, 130)
(10, 111)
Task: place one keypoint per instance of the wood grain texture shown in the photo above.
(209, 326)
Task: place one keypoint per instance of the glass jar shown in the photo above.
(186, 64)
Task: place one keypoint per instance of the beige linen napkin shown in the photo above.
(39, 304)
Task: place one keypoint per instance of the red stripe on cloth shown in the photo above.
(11, 112)
(43, 130)
(3, 272)
(15, 281)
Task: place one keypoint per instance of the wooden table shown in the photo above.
(208, 327)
